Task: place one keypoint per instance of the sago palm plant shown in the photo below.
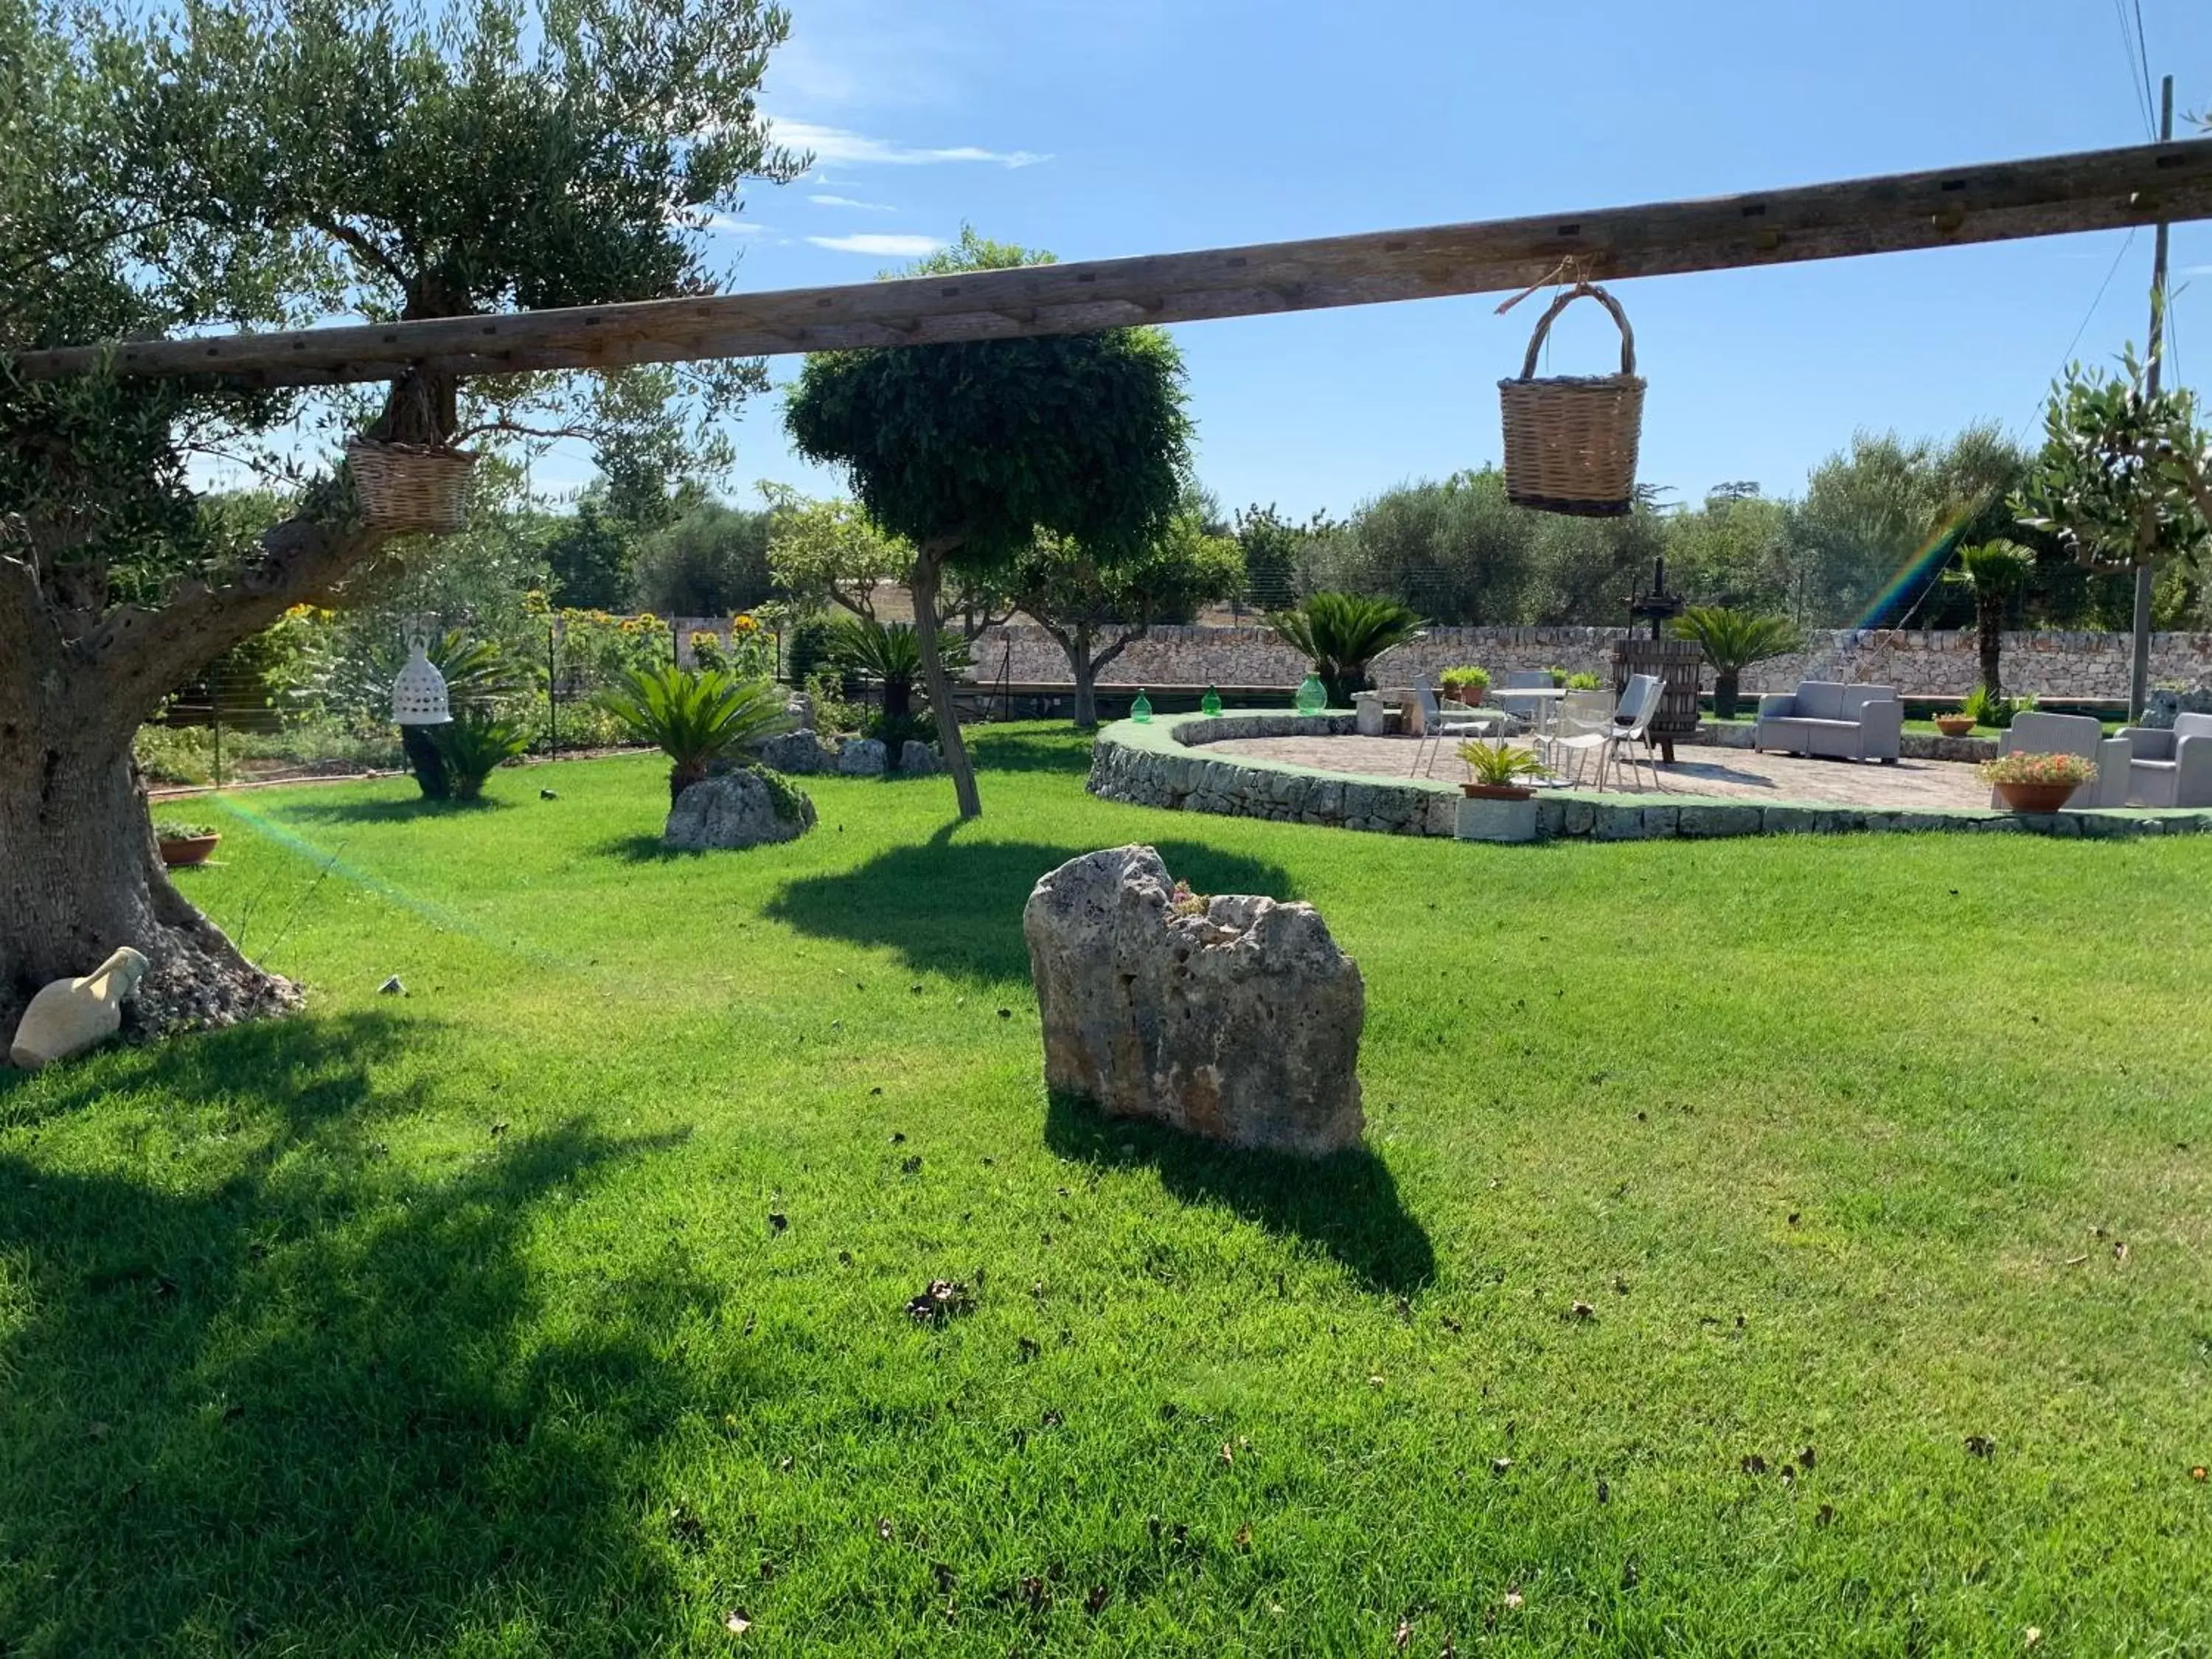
(890, 653)
(695, 715)
(1340, 634)
(1732, 641)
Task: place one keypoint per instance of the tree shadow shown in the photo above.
(1346, 1204)
(389, 811)
(953, 904)
(1030, 752)
(332, 1377)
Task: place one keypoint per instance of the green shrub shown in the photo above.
(472, 745)
(1994, 712)
(1465, 674)
(695, 715)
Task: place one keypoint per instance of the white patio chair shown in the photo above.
(1580, 714)
(1632, 722)
(1436, 725)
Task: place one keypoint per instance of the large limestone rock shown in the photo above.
(71, 1015)
(1238, 1021)
(863, 758)
(736, 811)
(918, 759)
(798, 753)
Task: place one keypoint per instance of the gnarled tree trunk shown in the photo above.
(79, 874)
(928, 570)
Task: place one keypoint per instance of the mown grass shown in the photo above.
(464, 1322)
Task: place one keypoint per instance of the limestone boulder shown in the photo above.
(1232, 1018)
(800, 753)
(740, 809)
(918, 760)
(863, 758)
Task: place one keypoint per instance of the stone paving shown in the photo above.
(1712, 773)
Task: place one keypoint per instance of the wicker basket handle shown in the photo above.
(1544, 327)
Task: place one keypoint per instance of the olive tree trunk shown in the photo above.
(79, 874)
(1989, 615)
(928, 571)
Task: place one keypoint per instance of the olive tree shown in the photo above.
(972, 453)
(231, 163)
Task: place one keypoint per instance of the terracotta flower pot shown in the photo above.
(1471, 696)
(186, 849)
(1954, 725)
(2035, 796)
(1496, 791)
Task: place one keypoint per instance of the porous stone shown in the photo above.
(1696, 822)
(732, 812)
(1239, 1021)
(918, 760)
(798, 753)
(863, 758)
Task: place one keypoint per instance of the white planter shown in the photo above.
(1495, 820)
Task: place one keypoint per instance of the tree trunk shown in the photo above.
(80, 874)
(928, 564)
(1728, 690)
(1989, 613)
(1084, 667)
(424, 760)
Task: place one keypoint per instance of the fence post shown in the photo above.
(552, 687)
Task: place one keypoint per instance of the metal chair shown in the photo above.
(1435, 728)
(1631, 725)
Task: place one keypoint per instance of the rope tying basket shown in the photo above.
(409, 486)
(1570, 438)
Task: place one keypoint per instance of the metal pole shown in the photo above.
(552, 691)
(2139, 656)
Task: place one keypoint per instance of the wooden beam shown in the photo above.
(2049, 196)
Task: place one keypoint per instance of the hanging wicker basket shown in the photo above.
(412, 487)
(1570, 438)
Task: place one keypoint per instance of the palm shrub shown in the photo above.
(479, 676)
(695, 715)
(1732, 640)
(1996, 570)
(1340, 634)
(473, 742)
(890, 654)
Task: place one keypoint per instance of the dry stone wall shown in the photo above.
(1919, 664)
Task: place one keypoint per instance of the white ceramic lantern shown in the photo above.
(418, 695)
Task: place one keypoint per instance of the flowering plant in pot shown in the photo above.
(186, 843)
(2037, 783)
(1494, 772)
(1954, 725)
(1466, 683)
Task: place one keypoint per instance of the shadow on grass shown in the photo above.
(1346, 1204)
(953, 904)
(1030, 752)
(389, 811)
(286, 1395)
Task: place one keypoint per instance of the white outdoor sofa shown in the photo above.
(1843, 722)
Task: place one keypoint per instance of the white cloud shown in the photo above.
(847, 202)
(726, 225)
(884, 246)
(837, 144)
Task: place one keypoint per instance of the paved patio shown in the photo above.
(1716, 774)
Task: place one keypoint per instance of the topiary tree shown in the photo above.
(264, 162)
(2123, 480)
(971, 453)
(1096, 612)
(1340, 634)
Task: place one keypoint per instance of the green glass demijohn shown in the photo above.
(1211, 702)
(1142, 708)
(1311, 698)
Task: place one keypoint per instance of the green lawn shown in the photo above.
(558, 1307)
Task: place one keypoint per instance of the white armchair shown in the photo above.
(2170, 767)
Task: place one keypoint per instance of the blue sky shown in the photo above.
(1103, 127)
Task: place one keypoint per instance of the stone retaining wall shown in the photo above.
(2090, 666)
(1163, 764)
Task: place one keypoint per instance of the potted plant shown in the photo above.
(1954, 725)
(1466, 683)
(1583, 682)
(1732, 641)
(2037, 783)
(1494, 771)
(186, 844)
